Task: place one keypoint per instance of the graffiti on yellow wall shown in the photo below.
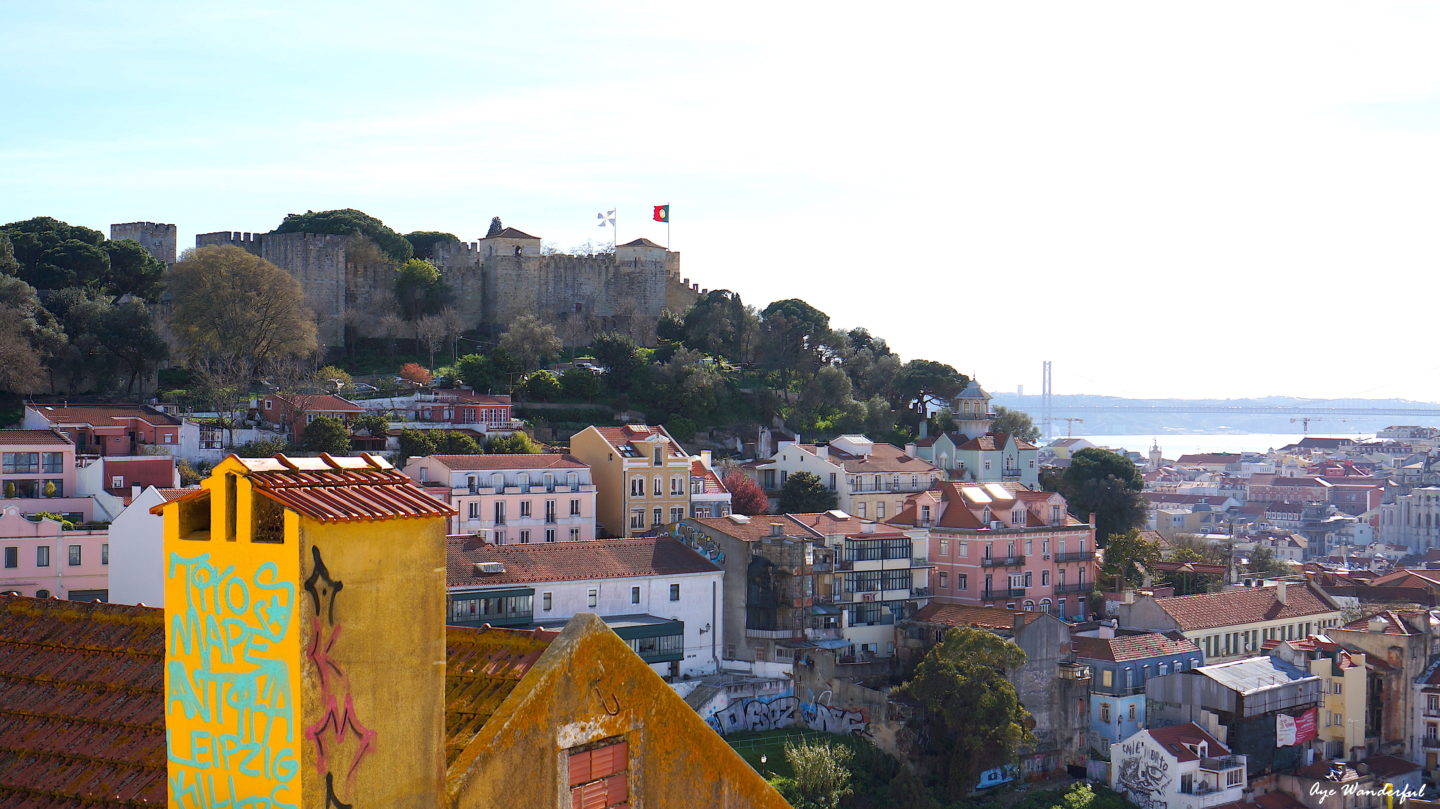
(231, 672)
(339, 721)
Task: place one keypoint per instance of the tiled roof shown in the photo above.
(570, 561)
(640, 243)
(1174, 739)
(343, 489)
(482, 667)
(512, 233)
(453, 395)
(1209, 458)
(318, 403)
(1395, 621)
(882, 458)
(711, 484)
(966, 615)
(498, 462)
(82, 719)
(758, 527)
(102, 415)
(622, 438)
(173, 494)
(13, 437)
(1133, 647)
(1189, 567)
(1243, 606)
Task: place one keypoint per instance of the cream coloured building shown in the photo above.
(1236, 623)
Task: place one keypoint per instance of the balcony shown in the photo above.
(1074, 671)
(1002, 561)
(1004, 592)
(1078, 587)
(771, 634)
(1222, 763)
(823, 633)
(1075, 556)
(1430, 742)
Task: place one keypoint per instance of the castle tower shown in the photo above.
(971, 410)
(305, 637)
(157, 239)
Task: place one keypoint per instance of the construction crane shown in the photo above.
(1070, 425)
(1304, 422)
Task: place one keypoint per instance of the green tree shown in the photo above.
(688, 385)
(495, 228)
(449, 442)
(1107, 485)
(822, 774)
(792, 336)
(326, 434)
(921, 383)
(261, 448)
(517, 443)
(1122, 554)
(133, 271)
(968, 715)
(478, 372)
(349, 222)
(620, 357)
(1263, 560)
(542, 386)
(720, 323)
(746, 496)
(371, 424)
(130, 336)
(333, 378)
(422, 242)
(670, 327)
(804, 493)
(531, 341)
(1016, 423)
(416, 444)
(29, 336)
(579, 385)
(419, 291)
(53, 255)
(235, 313)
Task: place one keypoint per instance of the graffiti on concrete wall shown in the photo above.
(753, 713)
(338, 724)
(230, 707)
(1144, 775)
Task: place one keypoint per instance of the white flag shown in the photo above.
(606, 219)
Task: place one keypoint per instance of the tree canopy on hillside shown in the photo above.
(50, 254)
(349, 222)
(423, 242)
(1107, 485)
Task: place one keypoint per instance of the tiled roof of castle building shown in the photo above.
(1133, 647)
(482, 667)
(966, 615)
(498, 462)
(1244, 606)
(1179, 741)
(570, 561)
(513, 233)
(48, 437)
(103, 415)
(622, 438)
(82, 720)
(640, 243)
(710, 481)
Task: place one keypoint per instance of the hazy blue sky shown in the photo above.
(1199, 199)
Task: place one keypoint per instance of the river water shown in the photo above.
(1175, 445)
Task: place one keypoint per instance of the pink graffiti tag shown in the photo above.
(338, 722)
(324, 664)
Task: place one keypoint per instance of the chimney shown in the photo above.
(1107, 630)
(707, 459)
(134, 490)
(1280, 594)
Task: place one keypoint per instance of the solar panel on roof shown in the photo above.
(997, 491)
(975, 494)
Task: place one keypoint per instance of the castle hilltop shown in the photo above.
(348, 281)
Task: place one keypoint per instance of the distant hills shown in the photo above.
(1113, 415)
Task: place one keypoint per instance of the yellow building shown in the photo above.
(642, 477)
(1341, 716)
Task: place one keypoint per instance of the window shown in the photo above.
(549, 511)
(637, 487)
(21, 463)
(677, 486)
(944, 580)
(677, 514)
(524, 509)
(1105, 711)
(574, 534)
(637, 518)
(499, 537)
(117, 481)
(51, 462)
(860, 508)
(634, 595)
(657, 488)
(1132, 712)
(1432, 702)
(964, 550)
(500, 512)
(549, 534)
(962, 581)
(42, 557)
(474, 510)
(546, 602)
(12, 557)
(656, 516)
(599, 777)
(1232, 777)
(75, 556)
(1338, 688)
(1187, 784)
(832, 481)
(880, 510)
(574, 508)
(944, 547)
(1107, 678)
(592, 598)
(524, 536)
(659, 457)
(104, 553)
(674, 592)
(1044, 578)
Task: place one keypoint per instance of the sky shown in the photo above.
(1162, 199)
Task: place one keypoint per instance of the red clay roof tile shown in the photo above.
(570, 561)
(12, 437)
(1244, 606)
(488, 462)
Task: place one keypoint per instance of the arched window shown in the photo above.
(1045, 604)
(1029, 605)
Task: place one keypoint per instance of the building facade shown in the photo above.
(108, 429)
(641, 474)
(40, 558)
(870, 480)
(1177, 767)
(1234, 624)
(512, 499)
(1120, 663)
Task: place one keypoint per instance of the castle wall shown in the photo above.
(158, 239)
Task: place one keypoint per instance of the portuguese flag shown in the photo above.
(662, 213)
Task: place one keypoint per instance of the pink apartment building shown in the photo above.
(107, 429)
(37, 473)
(512, 499)
(38, 558)
(1004, 545)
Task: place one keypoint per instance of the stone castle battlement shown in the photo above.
(349, 284)
(157, 238)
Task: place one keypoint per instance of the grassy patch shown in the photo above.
(771, 744)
